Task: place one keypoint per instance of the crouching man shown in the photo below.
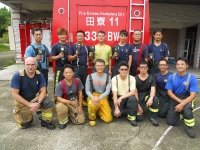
(146, 90)
(29, 94)
(182, 88)
(123, 88)
(69, 98)
(97, 88)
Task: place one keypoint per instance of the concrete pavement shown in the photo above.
(117, 135)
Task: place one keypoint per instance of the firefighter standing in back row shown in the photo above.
(40, 52)
(78, 55)
(59, 54)
(157, 50)
(137, 52)
(120, 51)
(103, 51)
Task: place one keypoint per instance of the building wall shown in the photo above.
(170, 36)
(176, 16)
(174, 13)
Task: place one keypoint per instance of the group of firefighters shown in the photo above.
(139, 78)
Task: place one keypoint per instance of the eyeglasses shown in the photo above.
(123, 69)
(143, 67)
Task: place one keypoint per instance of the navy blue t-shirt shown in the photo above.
(122, 54)
(82, 54)
(28, 87)
(134, 50)
(55, 52)
(157, 51)
(161, 80)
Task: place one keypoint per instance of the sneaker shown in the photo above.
(154, 121)
(49, 126)
(133, 123)
(190, 132)
(62, 126)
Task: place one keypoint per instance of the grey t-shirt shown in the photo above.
(99, 85)
(59, 89)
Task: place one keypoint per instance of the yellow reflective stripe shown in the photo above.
(64, 121)
(190, 122)
(193, 103)
(131, 117)
(19, 126)
(57, 77)
(181, 116)
(153, 109)
(146, 98)
(47, 114)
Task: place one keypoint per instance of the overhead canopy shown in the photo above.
(35, 10)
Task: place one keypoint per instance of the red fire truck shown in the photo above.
(94, 15)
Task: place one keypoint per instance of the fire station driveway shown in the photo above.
(116, 135)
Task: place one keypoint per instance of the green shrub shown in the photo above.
(9, 62)
(4, 48)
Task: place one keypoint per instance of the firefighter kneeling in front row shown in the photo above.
(29, 94)
(97, 88)
(123, 88)
(182, 88)
(69, 98)
(145, 93)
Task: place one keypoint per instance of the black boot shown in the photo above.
(26, 124)
(48, 125)
(39, 114)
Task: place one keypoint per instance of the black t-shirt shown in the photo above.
(55, 52)
(145, 86)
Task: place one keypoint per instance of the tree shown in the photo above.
(5, 20)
